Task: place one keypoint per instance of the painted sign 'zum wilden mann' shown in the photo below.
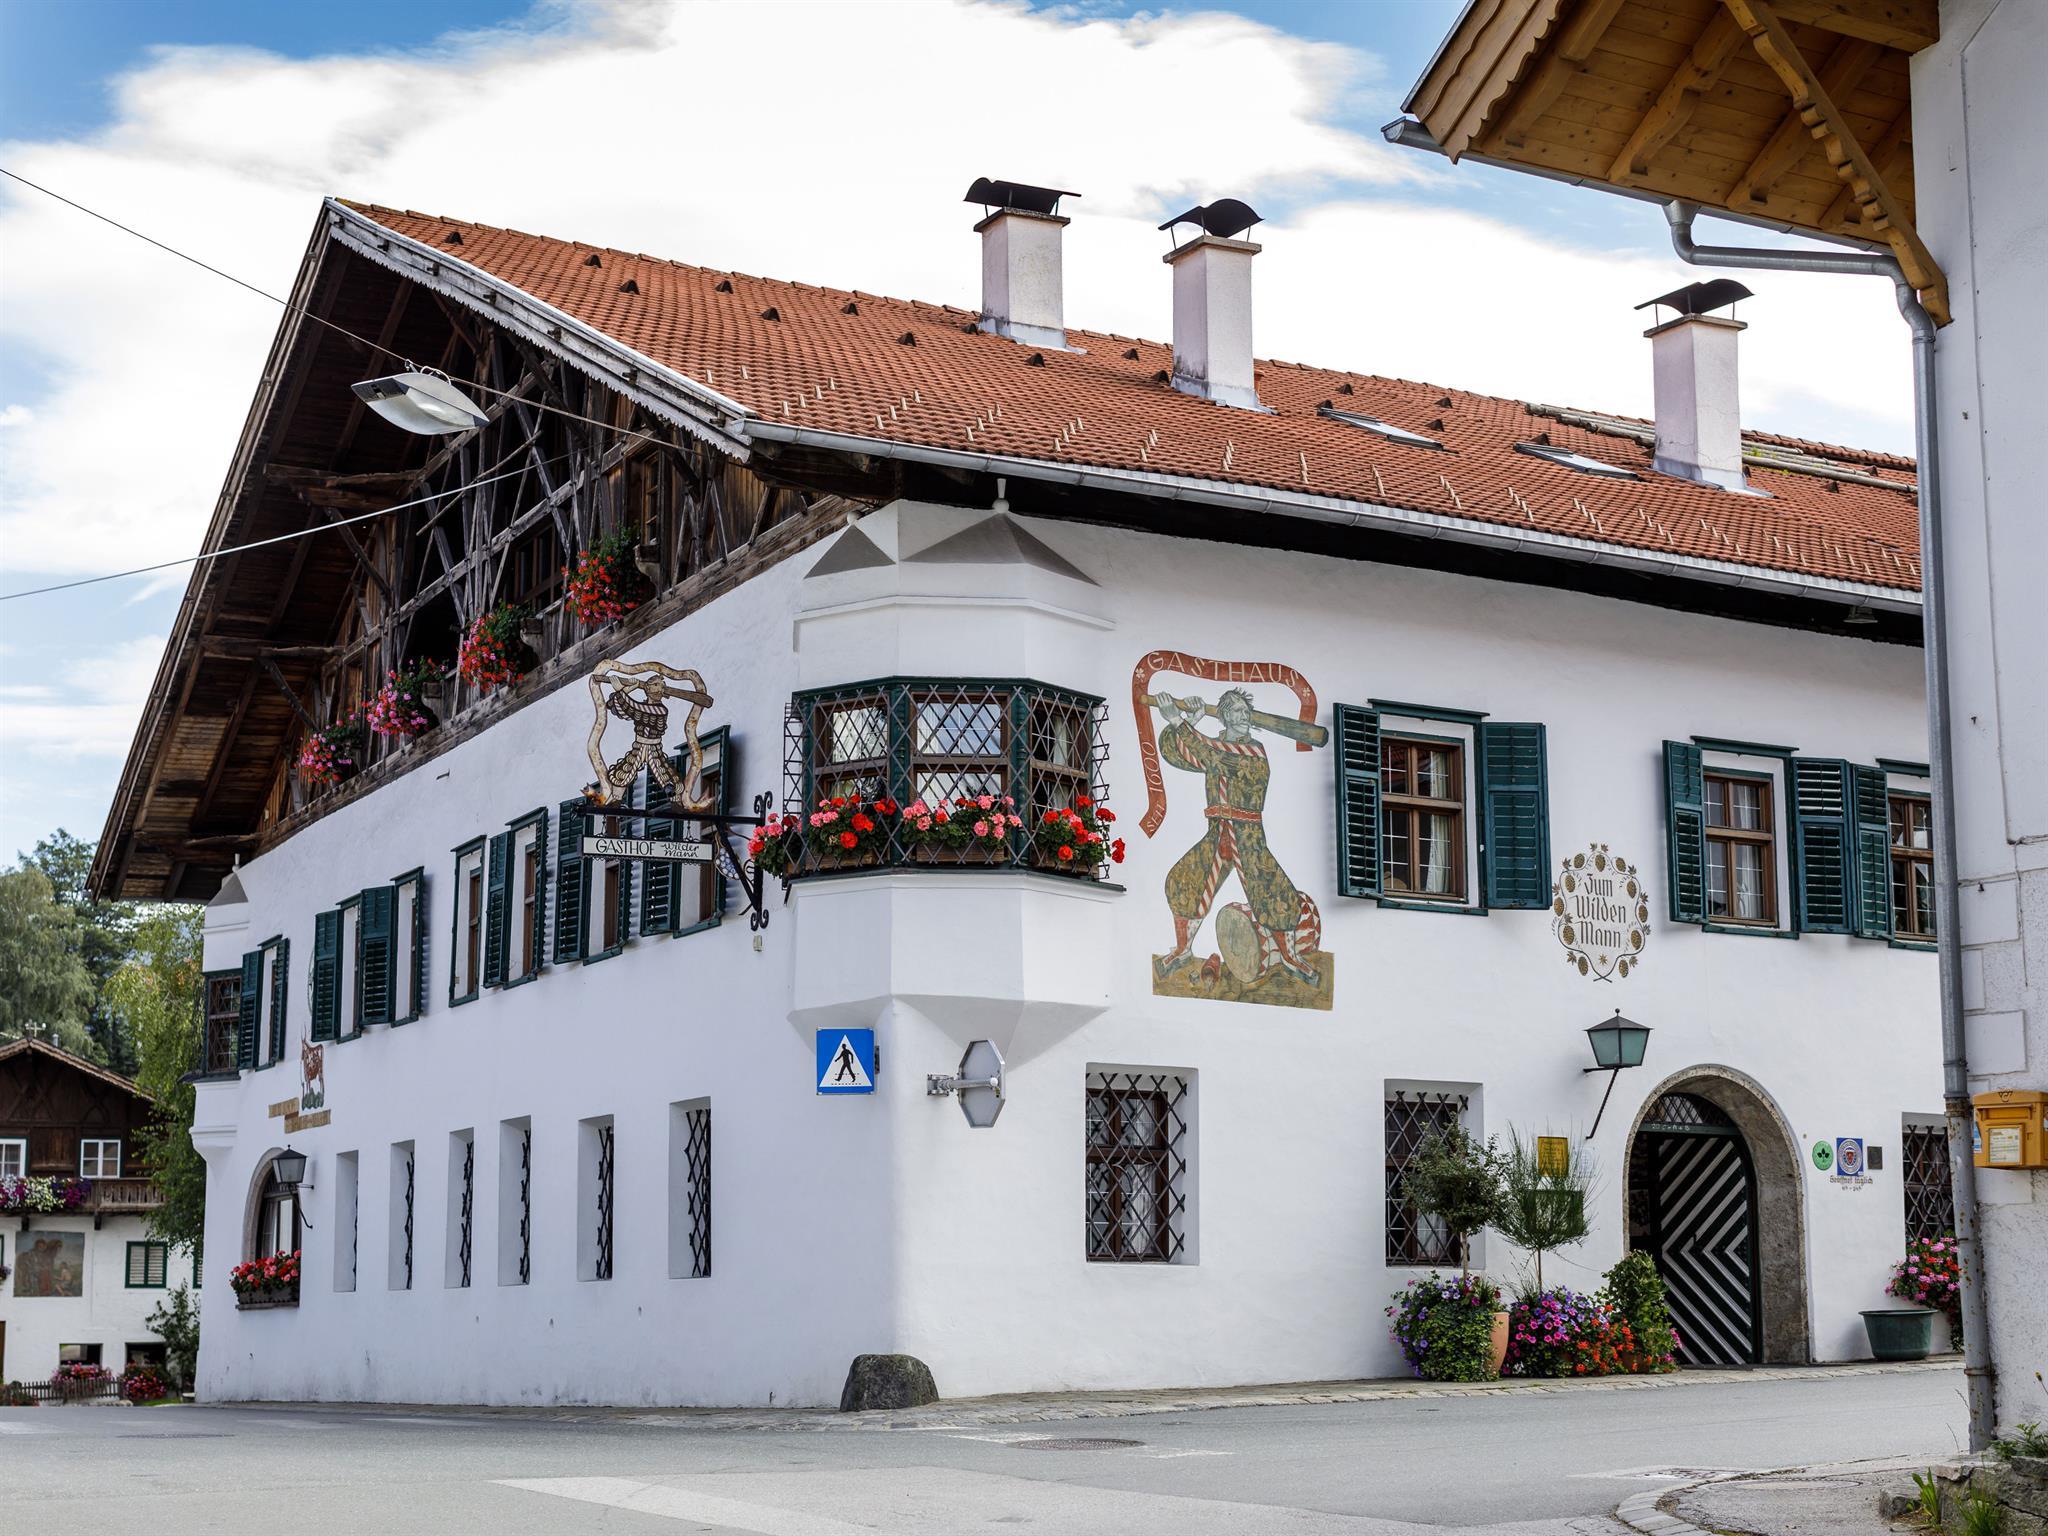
(1600, 913)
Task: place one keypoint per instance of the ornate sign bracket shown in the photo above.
(745, 872)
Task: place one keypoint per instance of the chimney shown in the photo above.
(1699, 417)
(1212, 304)
(1021, 288)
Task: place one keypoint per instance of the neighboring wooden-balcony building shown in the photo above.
(83, 1272)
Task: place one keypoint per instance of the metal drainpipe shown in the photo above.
(1977, 1367)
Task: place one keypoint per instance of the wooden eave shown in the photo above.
(1798, 112)
(75, 1063)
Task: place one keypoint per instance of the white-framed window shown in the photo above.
(13, 1157)
(526, 916)
(1429, 821)
(466, 962)
(1139, 1146)
(99, 1158)
(689, 1189)
(698, 885)
(348, 1003)
(408, 936)
(1415, 1113)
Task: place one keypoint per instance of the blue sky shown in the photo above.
(218, 124)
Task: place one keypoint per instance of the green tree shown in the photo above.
(157, 997)
(104, 931)
(1454, 1180)
(176, 1321)
(43, 982)
(1543, 1208)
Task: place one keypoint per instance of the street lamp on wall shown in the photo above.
(1617, 1043)
(289, 1169)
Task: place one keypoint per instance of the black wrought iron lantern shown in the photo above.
(1617, 1043)
(289, 1168)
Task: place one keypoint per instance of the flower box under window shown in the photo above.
(947, 773)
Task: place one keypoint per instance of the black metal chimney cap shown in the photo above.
(1224, 218)
(1020, 195)
(1700, 298)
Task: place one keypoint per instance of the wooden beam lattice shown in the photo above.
(1570, 56)
(1697, 73)
(1846, 66)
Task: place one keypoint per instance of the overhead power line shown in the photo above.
(282, 538)
(300, 309)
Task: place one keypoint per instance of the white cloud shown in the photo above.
(90, 710)
(733, 135)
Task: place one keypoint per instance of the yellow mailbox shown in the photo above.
(2012, 1128)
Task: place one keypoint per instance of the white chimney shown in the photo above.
(1699, 415)
(1212, 305)
(1022, 290)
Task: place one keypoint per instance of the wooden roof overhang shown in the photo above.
(1796, 113)
(240, 676)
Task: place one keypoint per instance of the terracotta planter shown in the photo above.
(1497, 1344)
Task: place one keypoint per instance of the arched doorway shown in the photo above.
(1714, 1196)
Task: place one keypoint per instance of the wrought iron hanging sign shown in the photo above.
(641, 694)
(1600, 912)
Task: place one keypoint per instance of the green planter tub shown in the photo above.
(1900, 1333)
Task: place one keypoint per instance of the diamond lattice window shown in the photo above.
(1137, 1167)
(1412, 1117)
(1930, 1200)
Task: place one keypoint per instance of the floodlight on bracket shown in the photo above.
(421, 400)
(979, 1083)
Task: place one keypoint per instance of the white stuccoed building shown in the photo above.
(1346, 658)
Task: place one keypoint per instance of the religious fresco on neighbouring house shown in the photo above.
(1266, 946)
(50, 1264)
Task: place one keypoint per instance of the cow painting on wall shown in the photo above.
(1267, 944)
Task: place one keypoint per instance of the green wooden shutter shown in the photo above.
(628, 868)
(1514, 794)
(252, 1011)
(1358, 800)
(572, 884)
(497, 927)
(279, 992)
(1685, 830)
(1873, 853)
(659, 883)
(326, 968)
(375, 921)
(1820, 843)
(416, 1004)
(540, 891)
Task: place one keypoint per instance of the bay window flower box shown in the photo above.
(941, 772)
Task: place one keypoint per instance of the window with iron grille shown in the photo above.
(1412, 1117)
(399, 1270)
(461, 1248)
(515, 1202)
(943, 741)
(1138, 1148)
(689, 1175)
(594, 1199)
(223, 1011)
(1930, 1199)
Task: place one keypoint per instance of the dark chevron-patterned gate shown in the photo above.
(1702, 1228)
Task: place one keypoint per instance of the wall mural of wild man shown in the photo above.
(1267, 946)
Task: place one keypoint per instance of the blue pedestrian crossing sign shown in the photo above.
(846, 1061)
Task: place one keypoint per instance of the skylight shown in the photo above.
(1576, 461)
(1375, 425)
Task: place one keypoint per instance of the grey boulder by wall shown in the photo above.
(887, 1381)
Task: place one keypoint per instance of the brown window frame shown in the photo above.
(1720, 839)
(1412, 808)
(473, 930)
(223, 1018)
(1910, 925)
(529, 895)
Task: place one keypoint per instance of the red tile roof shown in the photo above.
(912, 373)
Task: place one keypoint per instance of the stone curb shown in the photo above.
(1040, 1407)
(1640, 1511)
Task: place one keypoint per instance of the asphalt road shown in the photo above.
(1527, 1463)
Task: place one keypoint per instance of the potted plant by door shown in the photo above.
(1454, 1181)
